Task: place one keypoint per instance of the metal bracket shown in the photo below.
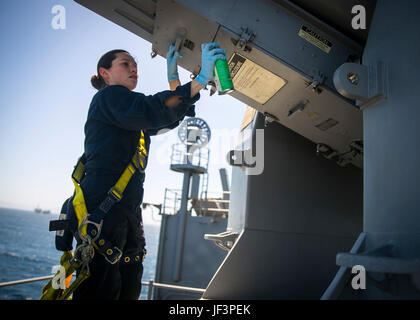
(180, 36)
(380, 260)
(299, 107)
(356, 147)
(365, 84)
(342, 159)
(318, 79)
(268, 118)
(224, 240)
(245, 37)
(325, 150)
(213, 88)
(382, 263)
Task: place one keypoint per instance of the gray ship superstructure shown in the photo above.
(325, 177)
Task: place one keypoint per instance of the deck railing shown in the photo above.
(150, 285)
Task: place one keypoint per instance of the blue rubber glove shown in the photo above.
(210, 52)
(171, 63)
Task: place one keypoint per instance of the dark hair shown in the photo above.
(104, 62)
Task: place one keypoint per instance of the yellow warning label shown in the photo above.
(253, 80)
(314, 38)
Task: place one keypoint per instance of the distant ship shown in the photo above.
(39, 210)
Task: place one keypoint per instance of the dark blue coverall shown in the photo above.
(112, 131)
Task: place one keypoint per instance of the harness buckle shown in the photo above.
(113, 258)
(115, 194)
(140, 160)
(84, 250)
(108, 203)
(84, 253)
(93, 235)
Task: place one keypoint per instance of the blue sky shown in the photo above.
(45, 95)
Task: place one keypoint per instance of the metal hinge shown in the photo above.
(245, 37)
(368, 85)
(318, 79)
(224, 240)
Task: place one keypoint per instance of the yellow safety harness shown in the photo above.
(115, 193)
(90, 226)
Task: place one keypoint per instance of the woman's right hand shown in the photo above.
(210, 52)
(172, 63)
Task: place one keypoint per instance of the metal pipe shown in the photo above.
(149, 284)
(218, 210)
(150, 290)
(161, 248)
(12, 283)
(181, 288)
(182, 216)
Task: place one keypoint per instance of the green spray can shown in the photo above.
(222, 77)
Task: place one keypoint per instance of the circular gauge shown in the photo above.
(194, 131)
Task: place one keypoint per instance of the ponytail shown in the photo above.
(97, 82)
(104, 62)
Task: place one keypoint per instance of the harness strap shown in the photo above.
(79, 206)
(138, 161)
(133, 258)
(79, 170)
(70, 265)
(90, 224)
(111, 253)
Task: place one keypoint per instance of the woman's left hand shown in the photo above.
(171, 62)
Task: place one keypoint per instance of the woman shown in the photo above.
(118, 119)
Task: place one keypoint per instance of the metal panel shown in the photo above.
(200, 258)
(239, 186)
(136, 16)
(390, 253)
(276, 32)
(176, 21)
(302, 192)
(215, 10)
(195, 185)
(270, 265)
(392, 191)
(337, 14)
(319, 107)
(298, 214)
(236, 216)
(278, 48)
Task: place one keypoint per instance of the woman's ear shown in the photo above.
(104, 73)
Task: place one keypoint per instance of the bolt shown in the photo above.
(353, 78)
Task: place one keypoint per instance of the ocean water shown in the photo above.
(27, 250)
